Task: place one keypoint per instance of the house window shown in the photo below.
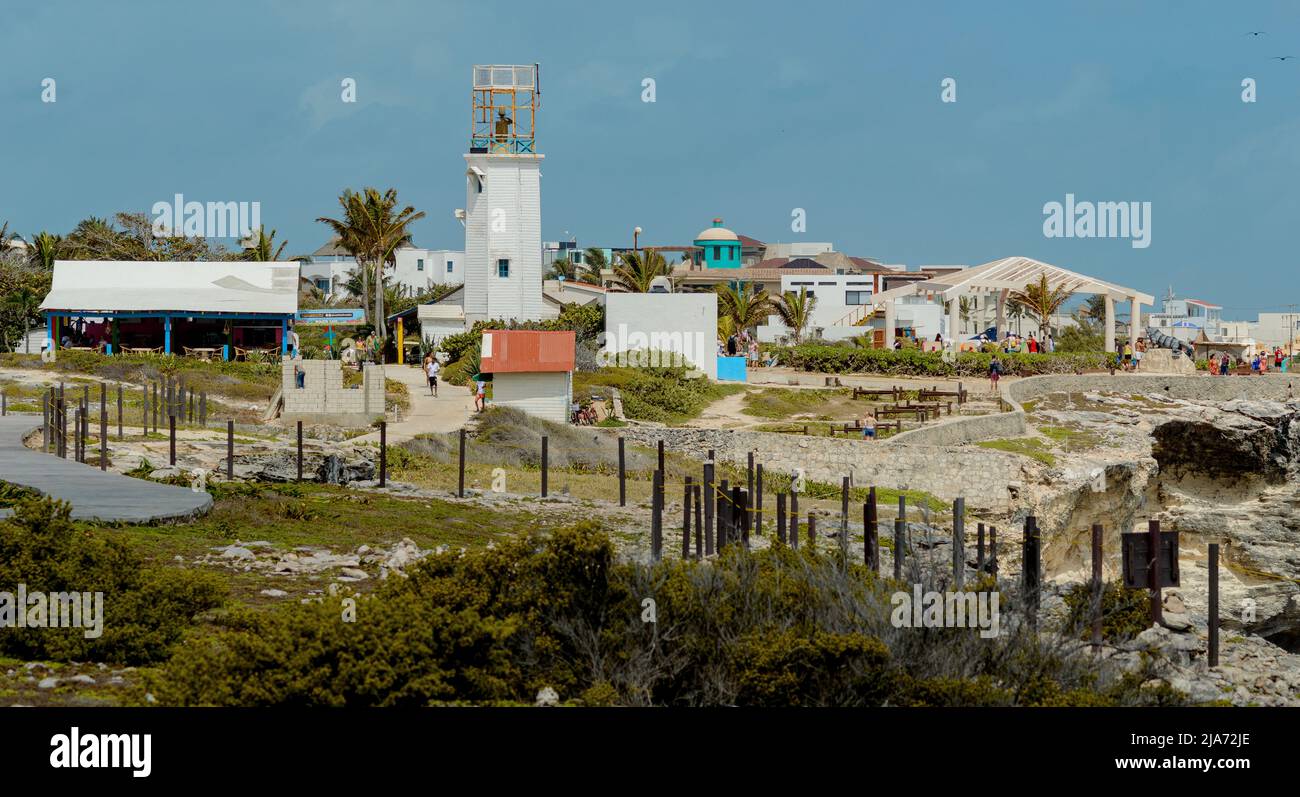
(503, 268)
(419, 264)
(856, 297)
(717, 253)
(450, 266)
(323, 285)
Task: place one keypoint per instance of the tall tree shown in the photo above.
(795, 311)
(747, 306)
(636, 270)
(372, 229)
(24, 302)
(261, 248)
(45, 249)
(593, 263)
(562, 267)
(1041, 301)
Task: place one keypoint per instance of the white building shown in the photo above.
(503, 205)
(1272, 329)
(416, 269)
(684, 324)
(835, 295)
(1185, 318)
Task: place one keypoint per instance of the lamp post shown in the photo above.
(636, 236)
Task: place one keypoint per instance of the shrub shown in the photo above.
(912, 362)
(1125, 612)
(145, 610)
(772, 627)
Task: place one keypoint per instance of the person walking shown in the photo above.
(995, 372)
(480, 395)
(868, 427)
(431, 369)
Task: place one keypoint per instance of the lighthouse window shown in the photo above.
(717, 253)
(503, 268)
(450, 266)
(419, 264)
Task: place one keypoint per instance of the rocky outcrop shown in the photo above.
(1241, 439)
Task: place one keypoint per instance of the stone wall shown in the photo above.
(970, 429)
(324, 399)
(982, 476)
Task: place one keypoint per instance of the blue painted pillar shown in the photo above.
(167, 334)
(284, 336)
(225, 352)
(51, 332)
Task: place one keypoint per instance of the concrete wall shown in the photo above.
(544, 395)
(407, 270)
(324, 399)
(684, 323)
(981, 475)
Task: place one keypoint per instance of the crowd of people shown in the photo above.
(1260, 362)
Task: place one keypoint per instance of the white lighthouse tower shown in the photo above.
(503, 206)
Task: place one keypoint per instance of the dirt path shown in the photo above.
(448, 412)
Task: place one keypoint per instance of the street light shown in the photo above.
(636, 235)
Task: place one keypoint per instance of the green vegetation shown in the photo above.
(239, 380)
(1031, 447)
(145, 610)
(1125, 612)
(777, 402)
(1070, 438)
(847, 358)
(776, 627)
(666, 395)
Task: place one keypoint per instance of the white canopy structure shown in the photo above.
(100, 287)
(1000, 278)
(215, 294)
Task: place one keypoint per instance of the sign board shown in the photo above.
(331, 316)
(1137, 556)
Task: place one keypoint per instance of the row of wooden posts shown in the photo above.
(729, 517)
(167, 398)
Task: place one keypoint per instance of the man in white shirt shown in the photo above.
(432, 368)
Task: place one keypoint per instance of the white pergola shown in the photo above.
(999, 278)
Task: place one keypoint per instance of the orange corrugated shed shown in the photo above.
(527, 351)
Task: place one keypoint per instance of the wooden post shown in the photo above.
(902, 507)
(780, 516)
(870, 540)
(699, 522)
(993, 551)
(4, 403)
(1031, 569)
(383, 453)
(83, 425)
(758, 499)
(546, 463)
(844, 516)
(709, 506)
(155, 409)
(812, 532)
(686, 520)
(1214, 604)
(1096, 585)
(622, 473)
(979, 547)
(230, 450)
(171, 431)
(792, 533)
(1153, 572)
(45, 421)
(745, 516)
(119, 412)
(300, 450)
(103, 426)
(656, 519)
(749, 475)
(460, 464)
(661, 456)
(203, 408)
(63, 426)
(722, 514)
(959, 543)
(900, 531)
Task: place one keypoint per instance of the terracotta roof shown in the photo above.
(750, 243)
(527, 351)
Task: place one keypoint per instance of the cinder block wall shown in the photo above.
(323, 392)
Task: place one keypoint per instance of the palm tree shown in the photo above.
(593, 262)
(372, 230)
(45, 249)
(563, 268)
(24, 301)
(262, 248)
(796, 312)
(747, 305)
(964, 308)
(1042, 301)
(1014, 310)
(636, 270)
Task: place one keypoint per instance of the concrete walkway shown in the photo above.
(94, 494)
(448, 412)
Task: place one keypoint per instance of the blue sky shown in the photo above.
(760, 109)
